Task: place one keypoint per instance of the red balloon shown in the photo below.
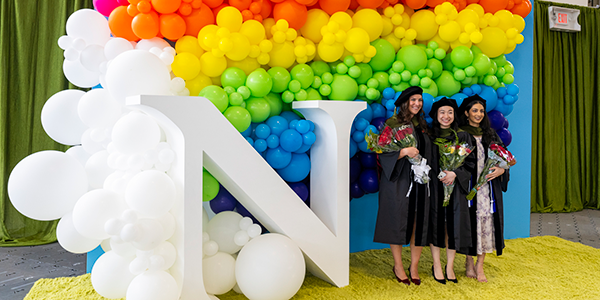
(293, 12)
(523, 9)
(198, 19)
(416, 4)
(266, 9)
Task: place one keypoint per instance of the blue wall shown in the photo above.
(363, 211)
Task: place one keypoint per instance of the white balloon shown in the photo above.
(218, 272)
(270, 266)
(151, 43)
(94, 209)
(97, 108)
(205, 219)
(254, 230)
(137, 72)
(116, 46)
(245, 223)
(151, 193)
(135, 133)
(64, 42)
(70, 239)
(241, 238)
(97, 169)
(139, 265)
(91, 57)
(129, 233)
(167, 221)
(111, 276)
(168, 252)
(222, 228)
(149, 234)
(210, 248)
(113, 226)
(45, 185)
(88, 144)
(105, 245)
(153, 285)
(60, 118)
(122, 248)
(78, 75)
(79, 153)
(89, 25)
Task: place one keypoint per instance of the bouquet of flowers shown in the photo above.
(497, 156)
(452, 156)
(395, 139)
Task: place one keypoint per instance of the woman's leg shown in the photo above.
(470, 267)
(438, 273)
(398, 266)
(450, 254)
(480, 274)
(415, 255)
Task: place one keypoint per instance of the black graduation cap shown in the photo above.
(468, 100)
(405, 95)
(442, 102)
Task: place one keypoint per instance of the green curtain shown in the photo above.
(566, 119)
(30, 72)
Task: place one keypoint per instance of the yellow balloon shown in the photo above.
(188, 43)
(423, 21)
(476, 37)
(519, 23)
(457, 43)
(196, 84)
(343, 19)
(186, 66)
(510, 47)
(282, 55)
(476, 8)
(213, 66)
(207, 37)
(230, 18)
(467, 16)
(411, 34)
(254, 31)
(393, 40)
(357, 41)
(369, 20)
(248, 65)
(441, 43)
(506, 19)
(387, 26)
(216, 80)
(330, 53)
(450, 31)
(268, 24)
(494, 42)
(241, 47)
(405, 20)
(315, 20)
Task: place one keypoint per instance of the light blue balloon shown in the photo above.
(503, 108)
(389, 114)
(262, 131)
(250, 140)
(260, 145)
(247, 132)
(273, 141)
(491, 98)
(277, 124)
(501, 91)
(390, 105)
(293, 124)
(353, 148)
(369, 129)
(290, 140)
(468, 91)
(297, 169)
(367, 113)
(289, 115)
(428, 119)
(278, 158)
(303, 126)
(512, 89)
(509, 100)
(459, 97)
(476, 88)
(360, 124)
(309, 138)
(363, 146)
(312, 125)
(427, 102)
(358, 136)
(303, 149)
(378, 110)
(389, 93)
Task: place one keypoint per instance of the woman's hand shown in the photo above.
(496, 171)
(449, 178)
(408, 151)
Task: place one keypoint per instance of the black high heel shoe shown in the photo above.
(405, 281)
(416, 281)
(442, 281)
(451, 280)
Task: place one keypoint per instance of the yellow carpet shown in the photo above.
(532, 268)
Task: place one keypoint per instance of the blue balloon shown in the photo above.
(224, 201)
(358, 136)
(355, 190)
(512, 89)
(501, 91)
(503, 108)
(293, 124)
(262, 131)
(427, 102)
(505, 136)
(363, 146)
(360, 124)
(367, 113)
(491, 98)
(260, 145)
(428, 119)
(289, 115)
(353, 148)
(390, 105)
(278, 158)
(379, 123)
(476, 88)
(300, 189)
(99, 86)
(355, 169)
(370, 129)
(297, 169)
(303, 148)
(368, 160)
(509, 99)
(309, 138)
(368, 181)
(247, 132)
(277, 124)
(389, 93)
(459, 97)
(496, 119)
(378, 111)
(312, 125)
(505, 123)
(290, 140)
(389, 114)
(250, 140)
(272, 141)
(303, 126)
(468, 91)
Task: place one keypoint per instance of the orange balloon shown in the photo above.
(305, 2)
(370, 3)
(172, 26)
(266, 9)
(217, 9)
(240, 4)
(198, 19)
(247, 15)
(145, 26)
(434, 3)
(166, 6)
(333, 6)
(276, 1)
(293, 12)
(416, 4)
(353, 5)
(492, 6)
(119, 23)
(523, 9)
(212, 3)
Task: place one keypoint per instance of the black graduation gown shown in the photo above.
(499, 185)
(396, 214)
(455, 217)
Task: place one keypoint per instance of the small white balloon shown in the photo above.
(94, 209)
(166, 156)
(89, 25)
(167, 221)
(88, 144)
(60, 119)
(91, 57)
(113, 226)
(168, 252)
(129, 216)
(111, 276)
(135, 133)
(64, 42)
(150, 234)
(129, 233)
(139, 265)
(105, 245)
(71, 240)
(218, 272)
(79, 153)
(241, 238)
(97, 108)
(153, 285)
(148, 44)
(254, 230)
(78, 44)
(78, 75)
(151, 193)
(205, 237)
(222, 228)
(136, 161)
(116, 46)
(71, 54)
(210, 248)
(122, 248)
(245, 222)
(157, 263)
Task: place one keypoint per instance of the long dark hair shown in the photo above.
(488, 133)
(403, 116)
(436, 126)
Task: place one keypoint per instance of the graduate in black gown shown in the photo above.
(403, 216)
(450, 226)
(486, 209)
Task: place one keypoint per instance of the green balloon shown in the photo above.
(509, 68)
(460, 75)
(320, 67)
(343, 87)
(447, 63)
(259, 82)
(303, 73)
(493, 69)
(259, 109)
(425, 82)
(500, 60)
(239, 117)
(401, 87)
(500, 72)
(482, 63)
(234, 77)
(413, 57)
(497, 85)
(275, 104)
(216, 95)
(210, 186)
(508, 78)
(366, 72)
(475, 50)
(385, 56)
(384, 80)
(461, 56)
(447, 85)
(281, 78)
(313, 94)
(490, 80)
(431, 90)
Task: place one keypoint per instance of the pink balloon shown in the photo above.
(105, 7)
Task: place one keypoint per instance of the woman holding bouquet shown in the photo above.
(403, 212)
(450, 223)
(486, 208)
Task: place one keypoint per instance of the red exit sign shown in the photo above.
(562, 18)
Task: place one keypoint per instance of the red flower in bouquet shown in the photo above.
(497, 156)
(452, 156)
